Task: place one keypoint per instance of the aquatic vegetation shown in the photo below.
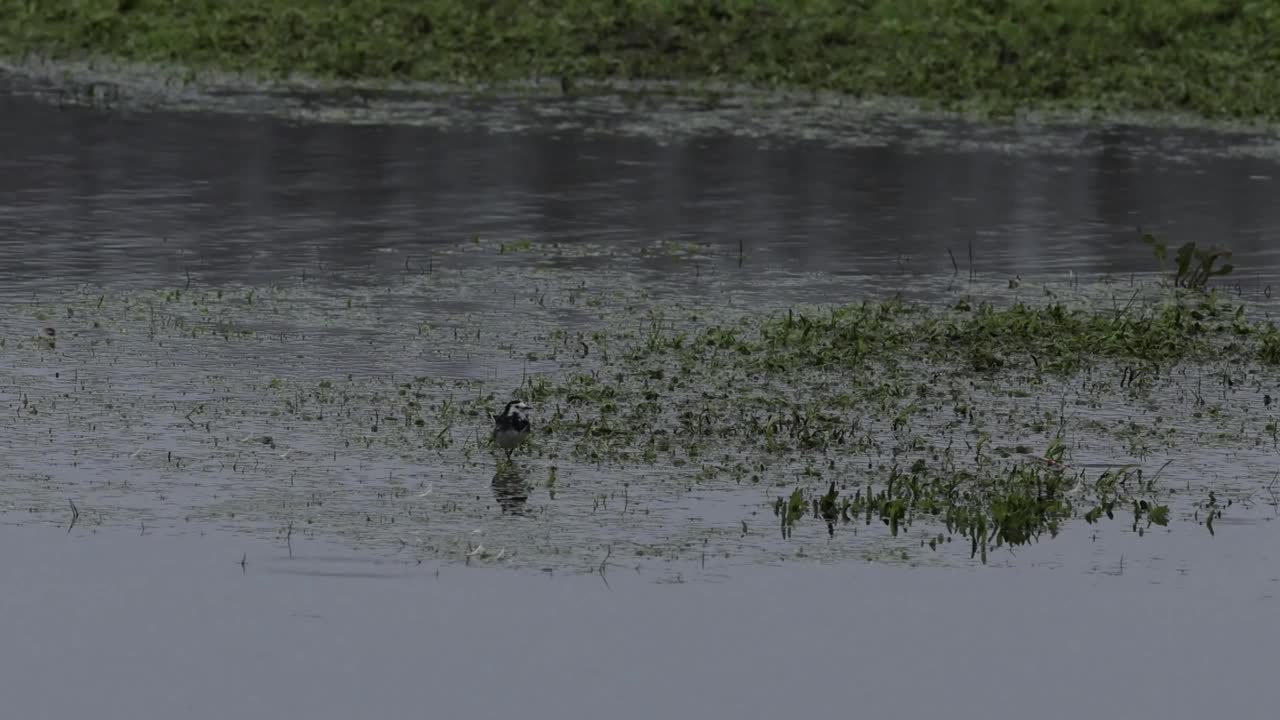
(888, 428)
(1195, 266)
(992, 57)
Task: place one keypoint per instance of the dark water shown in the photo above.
(89, 195)
(147, 623)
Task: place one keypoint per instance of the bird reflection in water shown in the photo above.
(511, 488)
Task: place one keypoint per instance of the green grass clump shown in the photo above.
(803, 391)
(1053, 337)
(1213, 58)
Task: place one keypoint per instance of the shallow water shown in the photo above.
(380, 253)
(241, 296)
(233, 197)
(119, 626)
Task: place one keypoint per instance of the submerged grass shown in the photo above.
(797, 391)
(665, 430)
(1215, 59)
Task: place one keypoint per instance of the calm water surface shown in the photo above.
(125, 624)
(103, 196)
(119, 626)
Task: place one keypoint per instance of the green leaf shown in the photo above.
(1160, 515)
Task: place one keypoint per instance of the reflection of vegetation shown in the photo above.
(1139, 55)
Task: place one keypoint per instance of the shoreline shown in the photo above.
(109, 83)
(945, 57)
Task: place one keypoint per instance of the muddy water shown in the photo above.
(237, 295)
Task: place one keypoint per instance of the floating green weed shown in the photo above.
(517, 246)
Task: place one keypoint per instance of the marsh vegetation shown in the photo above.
(995, 415)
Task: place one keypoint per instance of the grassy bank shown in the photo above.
(1213, 58)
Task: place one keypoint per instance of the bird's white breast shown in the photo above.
(509, 438)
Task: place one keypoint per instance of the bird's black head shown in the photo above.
(515, 414)
(516, 407)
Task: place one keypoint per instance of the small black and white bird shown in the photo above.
(512, 427)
